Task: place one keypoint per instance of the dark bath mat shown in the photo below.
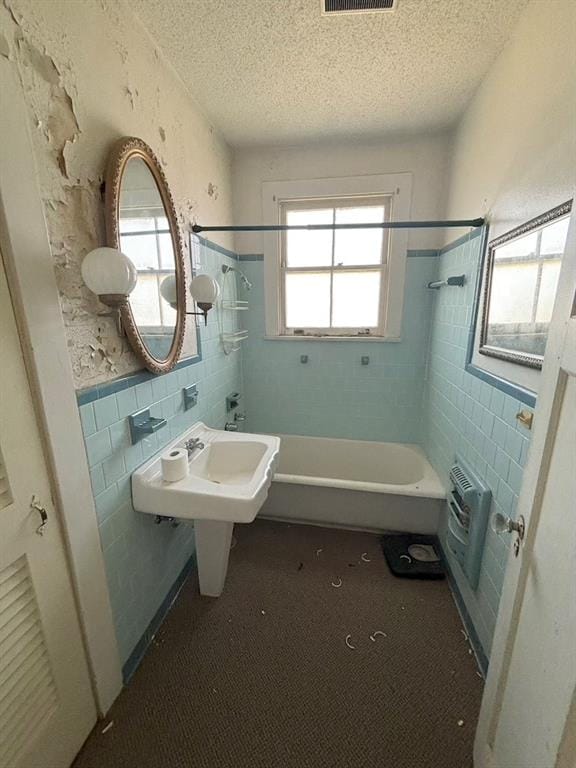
(412, 556)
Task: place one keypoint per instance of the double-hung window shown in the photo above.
(333, 280)
(335, 283)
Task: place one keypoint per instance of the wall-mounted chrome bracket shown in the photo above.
(190, 396)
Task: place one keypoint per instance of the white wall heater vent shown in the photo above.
(469, 503)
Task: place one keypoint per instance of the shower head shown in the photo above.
(243, 279)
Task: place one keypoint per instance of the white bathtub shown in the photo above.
(355, 484)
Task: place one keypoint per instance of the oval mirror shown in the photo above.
(141, 222)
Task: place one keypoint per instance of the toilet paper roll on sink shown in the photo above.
(174, 465)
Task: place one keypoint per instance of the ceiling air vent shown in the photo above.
(357, 6)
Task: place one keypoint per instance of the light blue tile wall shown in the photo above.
(142, 559)
(333, 395)
(467, 416)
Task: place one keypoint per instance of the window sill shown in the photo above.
(363, 339)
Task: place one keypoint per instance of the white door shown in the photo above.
(46, 703)
(528, 715)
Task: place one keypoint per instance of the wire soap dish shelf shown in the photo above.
(231, 335)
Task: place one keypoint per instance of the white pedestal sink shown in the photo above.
(227, 483)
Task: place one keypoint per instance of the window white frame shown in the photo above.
(381, 267)
(275, 194)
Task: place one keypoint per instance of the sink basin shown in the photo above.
(228, 479)
(227, 483)
(229, 462)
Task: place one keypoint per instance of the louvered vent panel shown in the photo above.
(351, 6)
(5, 492)
(459, 477)
(27, 689)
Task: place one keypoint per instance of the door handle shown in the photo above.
(503, 524)
(37, 507)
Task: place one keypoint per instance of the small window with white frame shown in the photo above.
(328, 281)
(332, 279)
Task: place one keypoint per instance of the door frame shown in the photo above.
(533, 486)
(29, 268)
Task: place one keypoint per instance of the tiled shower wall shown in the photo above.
(333, 394)
(471, 418)
(143, 560)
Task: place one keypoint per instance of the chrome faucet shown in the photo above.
(194, 444)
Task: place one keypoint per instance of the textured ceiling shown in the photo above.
(277, 71)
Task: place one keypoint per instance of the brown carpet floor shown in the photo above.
(262, 677)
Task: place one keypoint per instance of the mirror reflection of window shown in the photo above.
(145, 238)
(522, 279)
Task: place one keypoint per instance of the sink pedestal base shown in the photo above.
(213, 538)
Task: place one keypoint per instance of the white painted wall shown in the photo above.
(514, 154)
(427, 158)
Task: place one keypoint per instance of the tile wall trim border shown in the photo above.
(98, 391)
(411, 254)
(525, 396)
(137, 655)
(422, 253)
(250, 257)
(481, 657)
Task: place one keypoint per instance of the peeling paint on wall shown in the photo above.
(4, 47)
(60, 125)
(132, 94)
(80, 102)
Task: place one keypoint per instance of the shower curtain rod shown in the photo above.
(197, 228)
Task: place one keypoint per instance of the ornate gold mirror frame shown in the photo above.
(124, 150)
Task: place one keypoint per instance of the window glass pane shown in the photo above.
(523, 246)
(145, 302)
(141, 250)
(136, 224)
(162, 222)
(513, 293)
(359, 246)
(524, 281)
(307, 300)
(356, 299)
(166, 251)
(554, 237)
(547, 293)
(309, 249)
(168, 315)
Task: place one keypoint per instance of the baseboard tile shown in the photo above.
(135, 658)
